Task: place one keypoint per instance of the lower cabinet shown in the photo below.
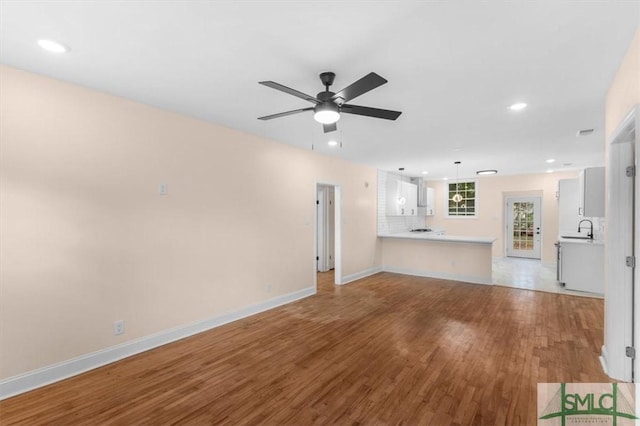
(582, 266)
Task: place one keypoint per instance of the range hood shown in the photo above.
(422, 191)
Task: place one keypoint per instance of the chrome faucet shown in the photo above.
(590, 234)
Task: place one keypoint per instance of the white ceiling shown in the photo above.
(453, 69)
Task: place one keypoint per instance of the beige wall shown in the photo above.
(624, 92)
(490, 221)
(87, 240)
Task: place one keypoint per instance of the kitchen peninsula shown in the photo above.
(431, 254)
(425, 252)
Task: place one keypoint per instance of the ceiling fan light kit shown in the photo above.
(326, 113)
(329, 105)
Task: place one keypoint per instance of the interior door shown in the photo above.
(523, 227)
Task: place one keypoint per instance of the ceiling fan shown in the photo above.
(329, 105)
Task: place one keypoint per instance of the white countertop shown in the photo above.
(429, 236)
(580, 241)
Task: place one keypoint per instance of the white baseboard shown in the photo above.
(362, 274)
(53, 373)
(441, 275)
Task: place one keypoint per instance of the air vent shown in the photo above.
(584, 132)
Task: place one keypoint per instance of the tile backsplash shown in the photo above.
(393, 224)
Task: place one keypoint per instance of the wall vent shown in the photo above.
(584, 132)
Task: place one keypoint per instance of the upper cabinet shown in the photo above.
(568, 205)
(402, 198)
(431, 201)
(591, 192)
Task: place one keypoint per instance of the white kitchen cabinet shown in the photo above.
(591, 195)
(402, 198)
(411, 192)
(568, 203)
(582, 266)
(431, 201)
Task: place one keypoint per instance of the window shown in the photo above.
(466, 207)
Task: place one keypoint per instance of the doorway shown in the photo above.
(523, 227)
(325, 238)
(328, 240)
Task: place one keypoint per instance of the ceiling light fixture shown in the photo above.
(585, 132)
(333, 143)
(551, 160)
(457, 197)
(326, 113)
(486, 172)
(519, 106)
(425, 172)
(52, 46)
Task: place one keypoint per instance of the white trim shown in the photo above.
(337, 241)
(440, 275)
(603, 360)
(362, 274)
(621, 326)
(53, 373)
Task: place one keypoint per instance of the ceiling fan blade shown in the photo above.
(366, 83)
(330, 127)
(370, 112)
(283, 114)
(290, 91)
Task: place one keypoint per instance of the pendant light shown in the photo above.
(457, 197)
(401, 200)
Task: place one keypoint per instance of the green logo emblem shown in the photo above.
(586, 401)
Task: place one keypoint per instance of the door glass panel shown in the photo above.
(523, 225)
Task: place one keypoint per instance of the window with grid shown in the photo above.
(466, 207)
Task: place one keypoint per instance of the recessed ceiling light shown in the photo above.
(445, 178)
(425, 172)
(518, 106)
(486, 172)
(53, 46)
(333, 143)
(551, 160)
(549, 171)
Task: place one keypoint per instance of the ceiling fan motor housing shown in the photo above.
(327, 79)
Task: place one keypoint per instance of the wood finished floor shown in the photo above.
(388, 349)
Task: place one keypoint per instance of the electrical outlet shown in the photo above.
(118, 327)
(163, 189)
(268, 287)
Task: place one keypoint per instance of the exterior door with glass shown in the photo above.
(523, 227)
